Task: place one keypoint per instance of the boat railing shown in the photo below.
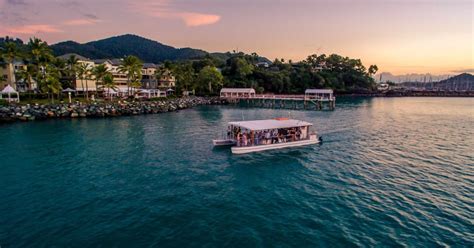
(271, 140)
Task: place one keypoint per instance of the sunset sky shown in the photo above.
(400, 36)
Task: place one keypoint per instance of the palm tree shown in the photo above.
(132, 66)
(38, 49)
(99, 72)
(51, 84)
(71, 63)
(108, 82)
(26, 75)
(83, 71)
(9, 52)
(160, 71)
(135, 85)
(41, 55)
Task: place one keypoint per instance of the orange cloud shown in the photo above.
(164, 9)
(34, 29)
(81, 22)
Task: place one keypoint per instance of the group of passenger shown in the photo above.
(266, 137)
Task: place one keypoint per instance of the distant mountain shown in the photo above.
(120, 46)
(413, 77)
(462, 82)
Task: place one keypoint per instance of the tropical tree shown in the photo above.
(9, 53)
(185, 76)
(373, 69)
(50, 83)
(99, 72)
(40, 55)
(26, 75)
(135, 85)
(108, 82)
(83, 73)
(132, 67)
(71, 64)
(62, 68)
(39, 51)
(209, 78)
(160, 71)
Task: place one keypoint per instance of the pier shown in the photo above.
(313, 99)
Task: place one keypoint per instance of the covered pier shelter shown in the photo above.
(319, 94)
(12, 94)
(237, 93)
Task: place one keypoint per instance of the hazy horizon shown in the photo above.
(400, 36)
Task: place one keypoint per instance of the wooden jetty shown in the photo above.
(313, 99)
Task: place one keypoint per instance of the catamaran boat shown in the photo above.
(262, 135)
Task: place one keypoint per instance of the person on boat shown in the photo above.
(267, 137)
(274, 136)
(238, 139)
(244, 139)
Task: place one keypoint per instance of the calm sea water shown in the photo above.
(391, 172)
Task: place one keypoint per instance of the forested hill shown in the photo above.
(124, 45)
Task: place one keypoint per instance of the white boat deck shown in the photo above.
(270, 124)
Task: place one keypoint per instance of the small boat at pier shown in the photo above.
(262, 135)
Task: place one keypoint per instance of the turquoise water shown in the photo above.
(391, 172)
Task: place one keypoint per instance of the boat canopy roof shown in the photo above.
(270, 124)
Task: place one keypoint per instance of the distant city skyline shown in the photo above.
(400, 36)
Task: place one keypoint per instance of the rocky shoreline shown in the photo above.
(17, 112)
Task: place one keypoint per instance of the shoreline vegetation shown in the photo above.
(44, 72)
(30, 112)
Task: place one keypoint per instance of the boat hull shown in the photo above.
(223, 142)
(259, 148)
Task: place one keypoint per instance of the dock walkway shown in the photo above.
(285, 101)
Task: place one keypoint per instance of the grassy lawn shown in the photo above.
(24, 101)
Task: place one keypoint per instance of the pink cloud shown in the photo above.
(197, 19)
(81, 22)
(164, 9)
(34, 29)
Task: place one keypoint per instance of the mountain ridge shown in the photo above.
(128, 44)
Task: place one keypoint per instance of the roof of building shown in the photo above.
(8, 89)
(149, 65)
(319, 91)
(237, 90)
(68, 55)
(270, 124)
(101, 61)
(116, 61)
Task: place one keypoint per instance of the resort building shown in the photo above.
(151, 86)
(148, 76)
(167, 80)
(237, 93)
(8, 76)
(120, 78)
(4, 76)
(7, 73)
